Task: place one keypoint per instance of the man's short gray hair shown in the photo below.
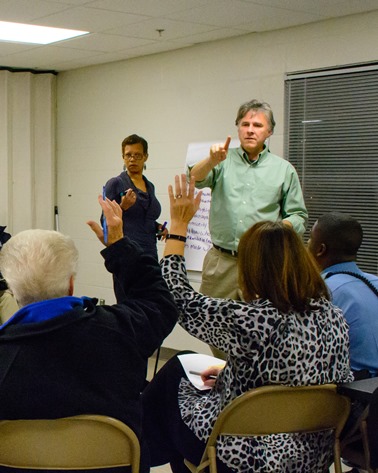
(256, 106)
(38, 264)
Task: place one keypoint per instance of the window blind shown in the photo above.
(331, 137)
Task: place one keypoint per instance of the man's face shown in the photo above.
(253, 130)
(314, 240)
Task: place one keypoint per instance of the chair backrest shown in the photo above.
(283, 409)
(78, 442)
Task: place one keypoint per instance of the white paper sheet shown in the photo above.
(198, 236)
(198, 362)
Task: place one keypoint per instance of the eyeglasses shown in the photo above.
(136, 156)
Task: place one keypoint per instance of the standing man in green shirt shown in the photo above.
(248, 184)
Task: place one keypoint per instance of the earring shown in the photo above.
(144, 166)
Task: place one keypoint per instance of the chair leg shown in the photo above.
(336, 456)
(212, 459)
(157, 360)
(365, 444)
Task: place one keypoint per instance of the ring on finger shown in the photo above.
(178, 196)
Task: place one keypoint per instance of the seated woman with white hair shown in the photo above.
(63, 355)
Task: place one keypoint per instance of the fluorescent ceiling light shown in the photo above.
(20, 33)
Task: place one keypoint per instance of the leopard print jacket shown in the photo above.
(264, 346)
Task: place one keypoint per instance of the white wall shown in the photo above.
(172, 99)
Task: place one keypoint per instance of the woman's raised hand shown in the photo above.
(183, 203)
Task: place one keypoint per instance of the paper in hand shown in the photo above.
(198, 362)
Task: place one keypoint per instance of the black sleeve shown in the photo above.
(142, 288)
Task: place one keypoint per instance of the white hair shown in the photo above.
(38, 265)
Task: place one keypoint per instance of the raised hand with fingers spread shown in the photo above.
(183, 205)
(113, 214)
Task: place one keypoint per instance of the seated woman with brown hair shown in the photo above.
(286, 332)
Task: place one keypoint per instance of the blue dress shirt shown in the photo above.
(360, 307)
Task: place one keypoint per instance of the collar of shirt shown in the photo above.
(347, 266)
(243, 154)
(42, 311)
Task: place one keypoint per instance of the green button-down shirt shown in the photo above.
(245, 192)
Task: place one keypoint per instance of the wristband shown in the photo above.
(175, 237)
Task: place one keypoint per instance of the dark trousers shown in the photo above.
(168, 438)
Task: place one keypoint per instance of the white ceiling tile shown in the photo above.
(157, 47)
(231, 13)
(23, 11)
(326, 8)
(152, 48)
(103, 42)
(93, 20)
(11, 48)
(148, 7)
(42, 57)
(212, 35)
(70, 2)
(172, 29)
(121, 29)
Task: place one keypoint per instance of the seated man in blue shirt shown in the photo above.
(334, 242)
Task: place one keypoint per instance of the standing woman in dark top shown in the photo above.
(136, 196)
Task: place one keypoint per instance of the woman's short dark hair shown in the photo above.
(134, 140)
(274, 264)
